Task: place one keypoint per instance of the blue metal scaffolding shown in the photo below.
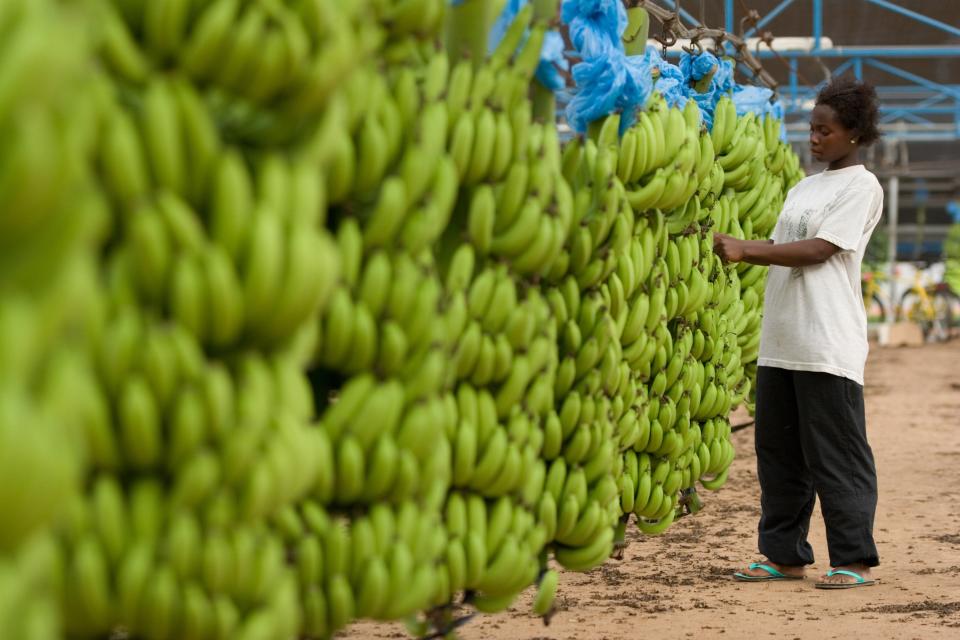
(910, 105)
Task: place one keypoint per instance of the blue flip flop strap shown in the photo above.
(767, 568)
(845, 572)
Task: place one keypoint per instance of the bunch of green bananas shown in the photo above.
(751, 202)
(370, 338)
(459, 320)
(666, 158)
(687, 327)
(29, 582)
(267, 69)
(231, 252)
(381, 564)
(189, 460)
(138, 563)
(51, 223)
(199, 420)
(462, 333)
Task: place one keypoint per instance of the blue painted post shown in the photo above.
(817, 23)
(858, 68)
(793, 83)
(728, 15)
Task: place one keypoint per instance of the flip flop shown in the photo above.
(773, 574)
(860, 581)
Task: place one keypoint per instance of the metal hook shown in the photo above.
(667, 37)
(666, 41)
(718, 49)
(751, 20)
(695, 48)
(765, 38)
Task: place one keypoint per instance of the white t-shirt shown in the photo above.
(813, 317)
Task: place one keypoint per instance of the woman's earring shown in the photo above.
(853, 141)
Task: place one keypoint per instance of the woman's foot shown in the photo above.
(835, 577)
(756, 570)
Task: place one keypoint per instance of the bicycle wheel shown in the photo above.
(954, 313)
(876, 310)
(912, 309)
(943, 306)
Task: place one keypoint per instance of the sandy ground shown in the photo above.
(678, 585)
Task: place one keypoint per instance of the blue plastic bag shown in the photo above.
(608, 83)
(671, 84)
(723, 82)
(595, 26)
(607, 79)
(598, 83)
(750, 99)
(552, 59)
(695, 67)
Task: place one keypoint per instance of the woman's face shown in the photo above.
(829, 140)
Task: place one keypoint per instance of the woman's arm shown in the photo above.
(802, 253)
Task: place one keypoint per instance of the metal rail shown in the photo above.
(673, 27)
(931, 106)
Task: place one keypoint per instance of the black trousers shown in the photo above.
(811, 441)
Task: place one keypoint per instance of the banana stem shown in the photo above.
(544, 103)
(703, 83)
(468, 25)
(593, 129)
(545, 9)
(637, 32)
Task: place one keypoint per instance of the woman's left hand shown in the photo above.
(729, 249)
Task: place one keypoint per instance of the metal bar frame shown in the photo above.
(920, 80)
(910, 103)
(684, 14)
(938, 98)
(765, 20)
(903, 114)
(932, 102)
(843, 67)
(916, 110)
(892, 51)
(919, 17)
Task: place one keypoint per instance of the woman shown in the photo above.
(812, 352)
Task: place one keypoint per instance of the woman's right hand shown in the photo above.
(729, 249)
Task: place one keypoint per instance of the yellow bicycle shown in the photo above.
(928, 304)
(873, 295)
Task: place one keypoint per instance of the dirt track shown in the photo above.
(678, 585)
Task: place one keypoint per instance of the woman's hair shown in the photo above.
(856, 105)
